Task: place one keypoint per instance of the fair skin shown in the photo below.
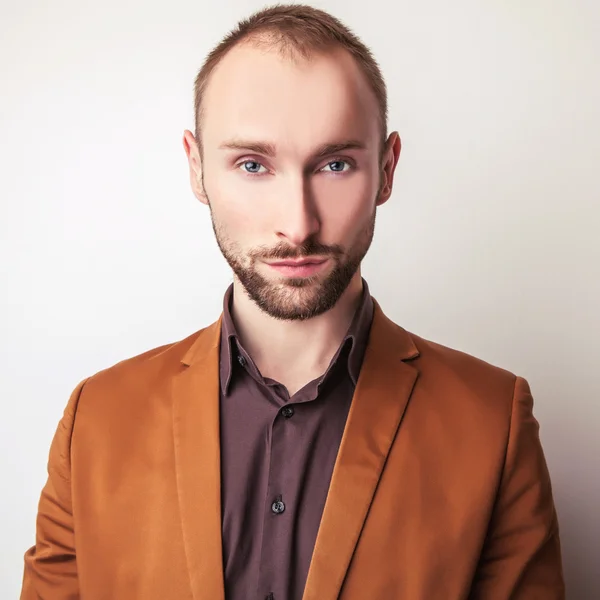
(288, 200)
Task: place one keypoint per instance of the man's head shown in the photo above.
(291, 155)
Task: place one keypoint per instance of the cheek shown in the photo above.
(346, 206)
(234, 206)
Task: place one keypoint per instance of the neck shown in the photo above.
(293, 352)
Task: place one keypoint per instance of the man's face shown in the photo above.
(278, 189)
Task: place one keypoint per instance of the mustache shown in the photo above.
(284, 251)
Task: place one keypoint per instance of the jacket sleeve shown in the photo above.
(521, 558)
(50, 567)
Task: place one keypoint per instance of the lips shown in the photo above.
(299, 268)
(298, 263)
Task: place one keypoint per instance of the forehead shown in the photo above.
(255, 93)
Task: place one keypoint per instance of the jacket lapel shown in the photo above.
(383, 389)
(198, 462)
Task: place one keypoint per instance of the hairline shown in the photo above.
(271, 42)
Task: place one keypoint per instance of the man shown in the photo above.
(303, 446)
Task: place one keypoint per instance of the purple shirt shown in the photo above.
(277, 457)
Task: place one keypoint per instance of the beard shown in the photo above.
(295, 298)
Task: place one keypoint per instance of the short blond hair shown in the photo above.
(294, 29)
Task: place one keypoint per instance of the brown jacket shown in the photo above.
(440, 489)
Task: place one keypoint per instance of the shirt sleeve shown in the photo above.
(521, 557)
(50, 567)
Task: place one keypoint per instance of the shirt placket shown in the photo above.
(278, 515)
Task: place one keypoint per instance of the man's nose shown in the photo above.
(297, 218)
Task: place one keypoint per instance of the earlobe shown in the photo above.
(197, 185)
(384, 195)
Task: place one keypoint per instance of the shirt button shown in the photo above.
(242, 360)
(278, 507)
(287, 411)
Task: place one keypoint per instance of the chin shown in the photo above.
(300, 283)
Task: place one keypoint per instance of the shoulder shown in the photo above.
(442, 370)
(460, 400)
(459, 364)
(462, 383)
(142, 374)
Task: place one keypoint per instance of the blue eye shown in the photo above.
(251, 166)
(337, 166)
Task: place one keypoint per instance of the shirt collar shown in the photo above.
(356, 338)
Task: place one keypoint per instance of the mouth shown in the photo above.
(304, 267)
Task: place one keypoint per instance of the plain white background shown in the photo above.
(490, 242)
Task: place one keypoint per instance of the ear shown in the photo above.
(195, 163)
(391, 154)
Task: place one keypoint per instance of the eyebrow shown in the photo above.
(268, 149)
